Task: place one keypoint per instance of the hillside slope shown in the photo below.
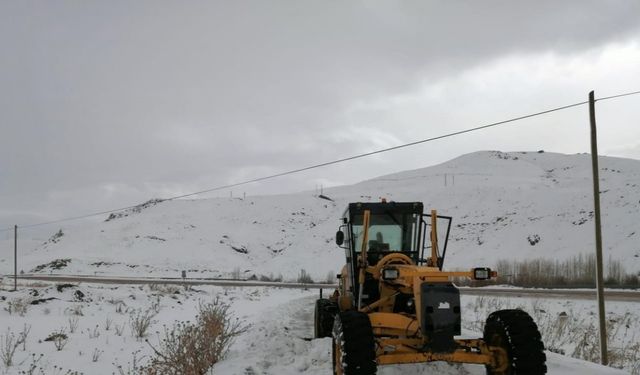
(515, 205)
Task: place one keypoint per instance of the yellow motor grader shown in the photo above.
(395, 306)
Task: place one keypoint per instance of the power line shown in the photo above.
(381, 151)
(358, 156)
(617, 96)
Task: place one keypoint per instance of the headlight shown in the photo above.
(390, 274)
(481, 273)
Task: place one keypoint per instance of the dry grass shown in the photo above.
(8, 345)
(59, 338)
(164, 288)
(570, 333)
(73, 323)
(9, 342)
(18, 306)
(304, 277)
(95, 356)
(192, 348)
(577, 271)
(119, 329)
(140, 321)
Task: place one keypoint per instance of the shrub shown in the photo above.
(8, 346)
(304, 277)
(140, 322)
(192, 348)
(96, 355)
(235, 274)
(577, 271)
(119, 329)
(271, 277)
(55, 264)
(164, 288)
(330, 278)
(73, 324)
(59, 338)
(9, 343)
(18, 306)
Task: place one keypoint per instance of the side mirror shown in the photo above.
(339, 238)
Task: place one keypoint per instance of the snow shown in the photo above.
(498, 200)
(279, 340)
(280, 345)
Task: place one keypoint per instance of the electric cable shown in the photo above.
(337, 161)
(380, 151)
(617, 96)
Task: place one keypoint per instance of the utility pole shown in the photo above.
(15, 258)
(596, 202)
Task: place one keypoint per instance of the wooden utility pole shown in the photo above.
(604, 358)
(15, 258)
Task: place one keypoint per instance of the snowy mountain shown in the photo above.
(517, 205)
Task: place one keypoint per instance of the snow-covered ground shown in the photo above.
(518, 205)
(499, 201)
(279, 340)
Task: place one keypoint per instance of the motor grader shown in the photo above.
(395, 306)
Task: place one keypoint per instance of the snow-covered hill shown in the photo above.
(505, 205)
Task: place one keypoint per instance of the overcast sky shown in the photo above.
(105, 104)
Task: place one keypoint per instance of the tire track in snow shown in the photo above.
(279, 343)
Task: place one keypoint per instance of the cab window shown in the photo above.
(387, 232)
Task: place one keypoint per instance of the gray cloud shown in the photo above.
(107, 103)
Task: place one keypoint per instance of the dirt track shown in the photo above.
(611, 295)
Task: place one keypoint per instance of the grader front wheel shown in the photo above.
(518, 335)
(353, 345)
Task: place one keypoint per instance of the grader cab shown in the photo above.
(394, 303)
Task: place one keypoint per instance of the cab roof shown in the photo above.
(383, 207)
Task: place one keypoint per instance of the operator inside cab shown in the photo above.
(390, 230)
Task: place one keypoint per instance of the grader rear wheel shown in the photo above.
(518, 335)
(353, 345)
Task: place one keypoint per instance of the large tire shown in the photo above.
(354, 350)
(323, 316)
(518, 335)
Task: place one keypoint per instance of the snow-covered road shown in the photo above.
(97, 319)
(280, 343)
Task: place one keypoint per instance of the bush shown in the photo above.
(304, 277)
(140, 322)
(192, 348)
(164, 288)
(577, 271)
(330, 278)
(59, 338)
(8, 345)
(18, 306)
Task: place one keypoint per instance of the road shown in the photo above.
(585, 294)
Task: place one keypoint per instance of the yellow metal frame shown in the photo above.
(399, 340)
(398, 336)
(403, 351)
